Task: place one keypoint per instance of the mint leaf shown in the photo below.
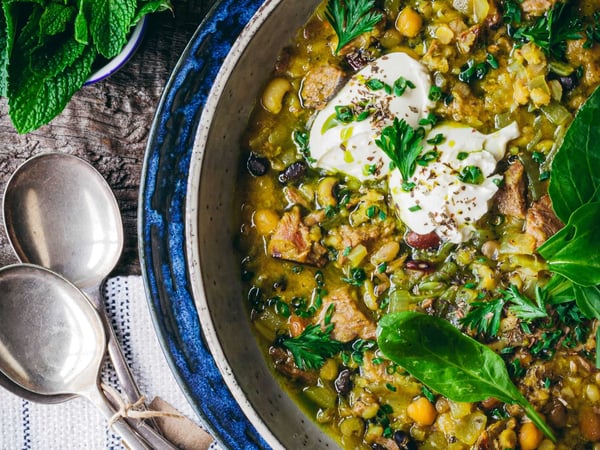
(82, 34)
(55, 19)
(55, 57)
(150, 7)
(110, 21)
(37, 99)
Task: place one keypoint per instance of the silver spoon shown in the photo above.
(61, 214)
(52, 340)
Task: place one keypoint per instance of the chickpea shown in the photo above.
(265, 221)
(409, 22)
(529, 436)
(272, 98)
(422, 411)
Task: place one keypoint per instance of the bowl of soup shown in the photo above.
(366, 224)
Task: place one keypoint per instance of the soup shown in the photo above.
(410, 170)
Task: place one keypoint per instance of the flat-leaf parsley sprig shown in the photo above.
(351, 18)
(403, 144)
(48, 49)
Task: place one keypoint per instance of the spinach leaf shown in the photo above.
(450, 362)
(588, 300)
(573, 251)
(575, 176)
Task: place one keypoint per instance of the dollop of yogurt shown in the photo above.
(350, 147)
(453, 191)
(449, 192)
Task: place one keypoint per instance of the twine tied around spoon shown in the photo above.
(134, 410)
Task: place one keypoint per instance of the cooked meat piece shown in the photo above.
(376, 373)
(292, 241)
(494, 17)
(466, 40)
(284, 363)
(489, 439)
(366, 234)
(537, 7)
(586, 58)
(541, 222)
(511, 196)
(320, 85)
(348, 320)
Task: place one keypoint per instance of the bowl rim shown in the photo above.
(116, 63)
(162, 219)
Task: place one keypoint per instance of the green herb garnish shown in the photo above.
(351, 18)
(551, 31)
(450, 362)
(311, 348)
(471, 175)
(403, 145)
(484, 317)
(48, 50)
(524, 308)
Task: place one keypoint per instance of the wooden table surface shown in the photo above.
(108, 123)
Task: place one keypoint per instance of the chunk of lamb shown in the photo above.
(320, 85)
(349, 322)
(292, 241)
(284, 363)
(541, 222)
(511, 196)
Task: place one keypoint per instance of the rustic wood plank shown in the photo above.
(108, 123)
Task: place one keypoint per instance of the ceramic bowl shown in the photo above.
(188, 227)
(125, 55)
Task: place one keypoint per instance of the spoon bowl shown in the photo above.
(61, 214)
(52, 340)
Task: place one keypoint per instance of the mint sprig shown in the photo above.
(48, 49)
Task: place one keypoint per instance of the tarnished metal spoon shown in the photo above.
(52, 340)
(61, 214)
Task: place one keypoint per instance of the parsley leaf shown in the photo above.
(524, 308)
(351, 18)
(551, 31)
(484, 317)
(311, 348)
(403, 145)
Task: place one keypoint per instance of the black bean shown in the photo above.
(343, 383)
(404, 441)
(257, 165)
(358, 59)
(557, 416)
(293, 172)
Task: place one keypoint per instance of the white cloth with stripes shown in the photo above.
(77, 424)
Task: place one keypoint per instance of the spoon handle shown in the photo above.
(131, 440)
(126, 379)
